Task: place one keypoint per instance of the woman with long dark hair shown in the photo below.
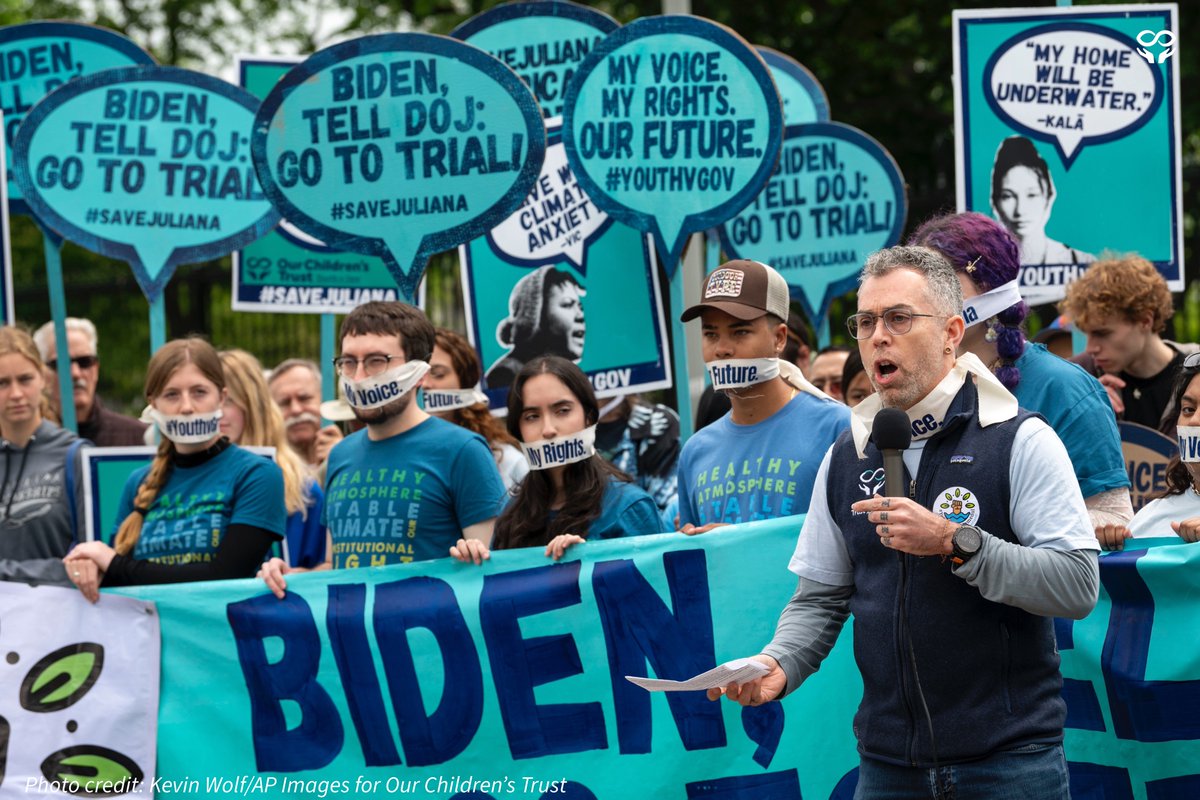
(571, 494)
(204, 509)
(451, 391)
(1177, 510)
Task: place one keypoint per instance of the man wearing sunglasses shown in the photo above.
(954, 586)
(96, 423)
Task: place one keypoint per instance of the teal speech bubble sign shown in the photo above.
(836, 197)
(803, 96)
(400, 145)
(38, 57)
(150, 165)
(543, 41)
(672, 125)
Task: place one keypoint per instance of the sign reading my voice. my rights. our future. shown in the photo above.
(671, 125)
(150, 165)
(399, 145)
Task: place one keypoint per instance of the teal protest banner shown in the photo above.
(399, 146)
(803, 96)
(1067, 124)
(435, 678)
(836, 197)
(150, 165)
(561, 277)
(543, 41)
(38, 57)
(671, 125)
(7, 313)
(288, 271)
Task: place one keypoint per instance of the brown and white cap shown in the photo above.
(743, 289)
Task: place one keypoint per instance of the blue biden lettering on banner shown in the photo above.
(671, 125)
(400, 145)
(150, 165)
(639, 629)
(1072, 83)
(38, 57)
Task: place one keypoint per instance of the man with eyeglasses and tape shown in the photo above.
(408, 486)
(760, 459)
(954, 586)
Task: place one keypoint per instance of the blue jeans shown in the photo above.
(1029, 772)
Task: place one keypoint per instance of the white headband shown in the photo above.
(987, 305)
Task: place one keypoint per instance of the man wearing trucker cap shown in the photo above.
(759, 461)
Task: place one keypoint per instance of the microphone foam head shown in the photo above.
(891, 430)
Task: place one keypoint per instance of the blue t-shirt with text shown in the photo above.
(408, 497)
(1077, 408)
(739, 473)
(188, 518)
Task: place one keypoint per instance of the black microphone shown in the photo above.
(892, 433)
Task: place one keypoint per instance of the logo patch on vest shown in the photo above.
(962, 459)
(957, 504)
(871, 481)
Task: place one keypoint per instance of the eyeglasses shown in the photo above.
(1192, 361)
(898, 321)
(372, 364)
(83, 362)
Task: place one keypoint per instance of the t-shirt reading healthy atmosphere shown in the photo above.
(408, 497)
(739, 473)
(190, 514)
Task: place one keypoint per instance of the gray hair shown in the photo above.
(292, 363)
(941, 284)
(43, 337)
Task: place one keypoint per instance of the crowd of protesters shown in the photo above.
(410, 463)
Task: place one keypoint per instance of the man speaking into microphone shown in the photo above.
(954, 582)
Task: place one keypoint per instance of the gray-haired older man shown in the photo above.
(295, 386)
(96, 423)
(953, 586)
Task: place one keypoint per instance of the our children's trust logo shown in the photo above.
(958, 505)
(1156, 39)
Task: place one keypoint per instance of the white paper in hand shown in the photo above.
(739, 671)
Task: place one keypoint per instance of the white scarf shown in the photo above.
(996, 404)
(987, 305)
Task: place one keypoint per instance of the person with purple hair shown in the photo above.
(987, 260)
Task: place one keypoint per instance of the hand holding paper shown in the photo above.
(739, 671)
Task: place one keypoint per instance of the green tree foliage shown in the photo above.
(886, 67)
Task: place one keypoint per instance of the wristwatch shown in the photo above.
(965, 543)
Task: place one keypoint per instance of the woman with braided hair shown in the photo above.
(988, 260)
(204, 509)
